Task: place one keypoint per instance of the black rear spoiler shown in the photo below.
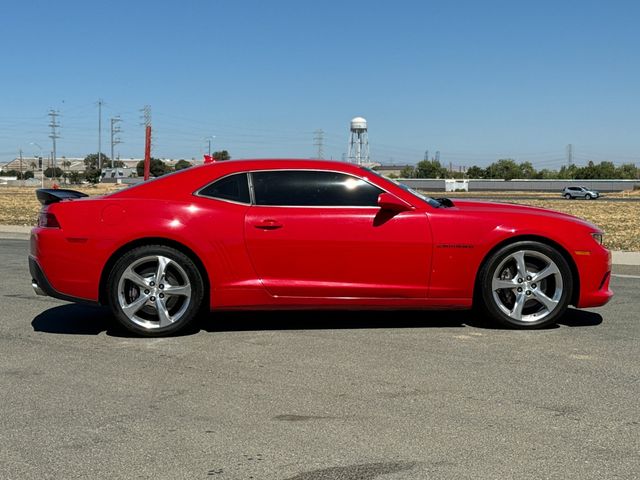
(47, 196)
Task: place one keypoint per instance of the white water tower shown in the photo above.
(359, 142)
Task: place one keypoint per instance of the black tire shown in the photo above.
(567, 196)
(587, 196)
(533, 299)
(152, 306)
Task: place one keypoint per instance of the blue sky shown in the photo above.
(476, 80)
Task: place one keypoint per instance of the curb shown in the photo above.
(21, 232)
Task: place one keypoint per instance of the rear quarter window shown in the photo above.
(234, 188)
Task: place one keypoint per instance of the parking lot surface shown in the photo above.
(316, 395)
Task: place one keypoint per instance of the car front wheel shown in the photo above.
(155, 290)
(588, 196)
(526, 285)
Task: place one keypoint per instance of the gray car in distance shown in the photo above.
(579, 192)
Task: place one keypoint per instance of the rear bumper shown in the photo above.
(42, 286)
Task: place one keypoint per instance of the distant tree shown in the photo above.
(182, 164)
(92, 175)
(53, 172)
(568, 172)
(27, 175)
(408, 172)
(606, 170)
(91, 160)
(91, 171)
(74, 177)
(11, 173)
(221, 155)
(430, 169)
(505, 168)
(546, 174)
(628, 171)
(476, 172)
(157, 167)
(66, 164)
(527, 170)
(589, 171)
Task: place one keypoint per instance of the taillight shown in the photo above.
(48, 220)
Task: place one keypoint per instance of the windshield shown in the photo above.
(431, 201)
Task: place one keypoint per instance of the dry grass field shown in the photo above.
(19, 206)
(620, 220)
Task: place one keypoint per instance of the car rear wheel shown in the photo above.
(567, 196)
(155, 290)
(526, 285)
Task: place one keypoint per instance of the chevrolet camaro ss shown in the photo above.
(301, 234)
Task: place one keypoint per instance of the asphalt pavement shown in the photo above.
(316, 395)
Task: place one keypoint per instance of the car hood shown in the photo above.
(497, 208)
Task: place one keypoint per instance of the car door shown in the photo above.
(321, 234)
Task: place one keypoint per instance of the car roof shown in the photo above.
(192, 178)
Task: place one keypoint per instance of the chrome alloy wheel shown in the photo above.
(154, 292)
(527, 286)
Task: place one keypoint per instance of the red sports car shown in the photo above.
(275, 234)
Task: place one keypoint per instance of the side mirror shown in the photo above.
(391, 203)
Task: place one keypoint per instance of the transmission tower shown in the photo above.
(437, 155)
(569, 154)
(115, 130)
(426, 155)
(53, 123)
(318, 141)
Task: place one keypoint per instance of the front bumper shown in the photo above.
(595, 275)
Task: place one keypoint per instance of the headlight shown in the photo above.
(598, 237)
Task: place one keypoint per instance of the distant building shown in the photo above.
(74, 164)
(118, 172)
(388, 170)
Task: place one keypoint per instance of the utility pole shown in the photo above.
(53, 123)
(146, 112)
(569, 155)
(437, 155)
(318, 141)
(100, 103)
(426, 155)
(115, 129)
(21, 164)
(209, 139)
(146, 118)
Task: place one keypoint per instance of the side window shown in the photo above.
(234, 188)
(313, 188)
